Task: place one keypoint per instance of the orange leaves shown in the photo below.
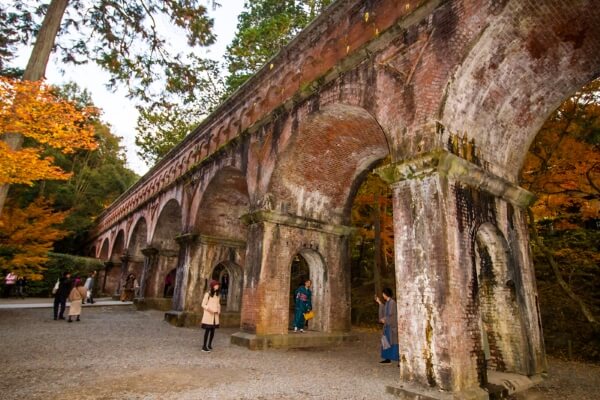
(26, 236)
(34, 111)
(26, 166)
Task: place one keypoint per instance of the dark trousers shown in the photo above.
(62, 302)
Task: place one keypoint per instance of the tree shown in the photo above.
(562, 168)
(26, 237)
(563, 164)
(161, 126)
(46, 120)
(263, 29)
(97, 178)
(120, 36)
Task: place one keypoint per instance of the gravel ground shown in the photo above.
(119, 353)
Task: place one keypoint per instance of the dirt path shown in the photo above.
(119, 353)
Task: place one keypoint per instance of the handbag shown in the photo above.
(385, 343)
(56, 285)
(309, 315)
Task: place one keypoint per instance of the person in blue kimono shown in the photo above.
(388, 316)
(303, 303)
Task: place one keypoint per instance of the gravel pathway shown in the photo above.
(119, 353)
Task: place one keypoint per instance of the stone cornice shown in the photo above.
(449, 165)
(221, 241)
(296, 221)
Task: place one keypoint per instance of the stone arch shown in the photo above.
(223, 202)
(501, 326)
(168, 227)
(112, 271)
(323, 163)
(138, 241)
(517, 74)
(104, 250)
(232, 297)
(320, 294)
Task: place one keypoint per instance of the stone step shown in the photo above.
(291, 340)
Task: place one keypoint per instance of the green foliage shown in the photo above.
(124, 37)
(578, 255)
(264, 27)
(56, 265)
(161, 126)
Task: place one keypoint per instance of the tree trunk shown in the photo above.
(36, 68)
(553, 264)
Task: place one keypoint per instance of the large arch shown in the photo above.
(224, 201)
(526, 63)
(138, 241)
(323, 164)
(164, 239)
(112, 281)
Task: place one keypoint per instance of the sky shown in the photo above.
(117, 110)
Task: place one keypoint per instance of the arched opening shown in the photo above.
(168, 227)
(229, 275)
(137, 242)
(499, 313)
(308, 265)
(562, 168)
(222, 241)
(316, 179)
(169, 283)
(224, 201)
(113, 268)
(104, 250)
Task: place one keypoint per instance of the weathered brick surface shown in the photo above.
(474, 78)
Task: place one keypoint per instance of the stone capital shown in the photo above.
(186, 238)
(125, 258)
(150, 251)
(295, 221)
(453, 167)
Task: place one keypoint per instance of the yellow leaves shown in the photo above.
(34, 111)
(26, 166)
(26, 236)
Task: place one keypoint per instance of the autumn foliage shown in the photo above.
(563, 164)
(34, 111)
(26, 237)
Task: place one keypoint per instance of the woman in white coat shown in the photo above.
(210, 319)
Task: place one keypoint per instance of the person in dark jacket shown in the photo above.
(61, 295)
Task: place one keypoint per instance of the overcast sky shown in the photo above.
(117, 110)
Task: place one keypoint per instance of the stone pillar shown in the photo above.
(273, 241)
(436, 281)
(185, 242)
(150, 261)
(108, 265)
(124, 268)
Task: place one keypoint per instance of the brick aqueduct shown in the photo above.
(454, 92)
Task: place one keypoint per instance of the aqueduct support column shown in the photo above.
(273, 241)
(150, 262)
(440, 201)
(185, 241)
(125, 258)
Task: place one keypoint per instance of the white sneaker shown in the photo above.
(301, 330)
(295, 329)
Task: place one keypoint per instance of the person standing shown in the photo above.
(60, 297)
(210, 319)
(302, 304)
(76, 297)
(388, 316)
(129, 288)
(89, 286)
(9, 283)
(21, 284)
